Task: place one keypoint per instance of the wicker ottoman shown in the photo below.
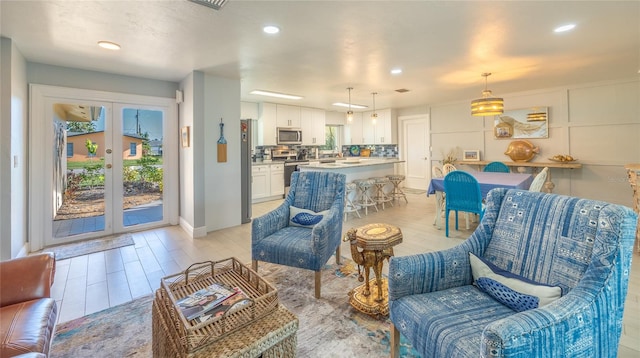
(271, 336)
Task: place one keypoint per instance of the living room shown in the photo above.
(596, 121)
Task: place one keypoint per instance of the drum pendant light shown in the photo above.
(487, 105)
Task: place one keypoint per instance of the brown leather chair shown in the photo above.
(27, 312)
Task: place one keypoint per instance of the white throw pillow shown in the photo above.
(304, 217)
(545, 293)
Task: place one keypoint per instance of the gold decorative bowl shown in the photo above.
(563, 160)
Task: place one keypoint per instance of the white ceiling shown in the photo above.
(326, 46)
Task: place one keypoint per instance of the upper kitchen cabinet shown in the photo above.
(287, 116)
(353, 130)
(249, 110)
(266, 131)
(312, 123)
(384, 131)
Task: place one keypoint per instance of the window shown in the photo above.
(133, 149)
(69, 150)
(333, 135)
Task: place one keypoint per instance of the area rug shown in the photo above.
(88, 247)
(329, 326)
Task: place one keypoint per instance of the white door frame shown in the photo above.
(41, 142)
(403, 141)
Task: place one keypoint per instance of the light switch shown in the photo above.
(15, 161)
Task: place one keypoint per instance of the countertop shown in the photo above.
(353, 163)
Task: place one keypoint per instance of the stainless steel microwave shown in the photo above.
(289, 135)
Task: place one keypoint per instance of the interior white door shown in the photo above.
(415, 130)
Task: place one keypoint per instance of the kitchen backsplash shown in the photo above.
(379, 151)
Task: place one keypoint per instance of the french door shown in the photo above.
(99, 167)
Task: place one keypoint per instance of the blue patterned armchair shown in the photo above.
(305, 240)
(580, 247)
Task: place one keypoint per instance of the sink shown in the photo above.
(351, 162)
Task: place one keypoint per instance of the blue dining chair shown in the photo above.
(463, 194)
(496, 167)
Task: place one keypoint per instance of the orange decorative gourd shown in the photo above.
(521, 151)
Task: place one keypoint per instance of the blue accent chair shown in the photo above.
(274, 240)
(463, 194)
(582, 246)
(496, 167)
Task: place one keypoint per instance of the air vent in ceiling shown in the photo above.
(214, 4)
(402, 90)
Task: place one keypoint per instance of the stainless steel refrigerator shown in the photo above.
(245, 169)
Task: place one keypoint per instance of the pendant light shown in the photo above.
(487, 105)
(349, 112)
(374, 115)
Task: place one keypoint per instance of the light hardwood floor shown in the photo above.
(90, 283)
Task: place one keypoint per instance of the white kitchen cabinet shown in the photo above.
(267, 182)
(353, 130)
(287, 116)
(368, 128)
(312, 123)
(266, 130)
(383, 131)
(277, 179)
(260, 181)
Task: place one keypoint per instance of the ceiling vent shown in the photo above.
(402, 90)
(214, 4)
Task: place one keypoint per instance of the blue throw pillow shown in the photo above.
(304, 217)
(545, 294)
(513, 299)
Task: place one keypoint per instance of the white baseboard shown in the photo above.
(191, 231)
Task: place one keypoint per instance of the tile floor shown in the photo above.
(91, 283)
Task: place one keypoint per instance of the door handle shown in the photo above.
(108, 151)
(108, 166)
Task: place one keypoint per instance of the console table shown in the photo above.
(536, 167)
(633, 170)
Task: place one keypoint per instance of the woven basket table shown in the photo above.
(272, 336)
(175, 336)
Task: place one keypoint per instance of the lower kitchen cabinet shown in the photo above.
(277, 179)
(267, 182)
(260, 182)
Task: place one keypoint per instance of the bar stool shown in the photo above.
(364, 186)
(380, 196)
(351, 194)
(397, 192)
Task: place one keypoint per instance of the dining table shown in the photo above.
(486, 180)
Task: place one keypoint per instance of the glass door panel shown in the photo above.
(141, 178)
(79, 179)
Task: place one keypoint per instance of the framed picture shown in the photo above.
(522, 123)
(184, 136)
(471, 155)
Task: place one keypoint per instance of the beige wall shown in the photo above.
(597, 123)
(80, 152)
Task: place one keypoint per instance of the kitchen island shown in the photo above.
(357, 168)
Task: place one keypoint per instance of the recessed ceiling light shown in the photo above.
(109, 45)
(276, 94)
(341, 104)
(396, 71)
(565, 28)
(270, 29)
